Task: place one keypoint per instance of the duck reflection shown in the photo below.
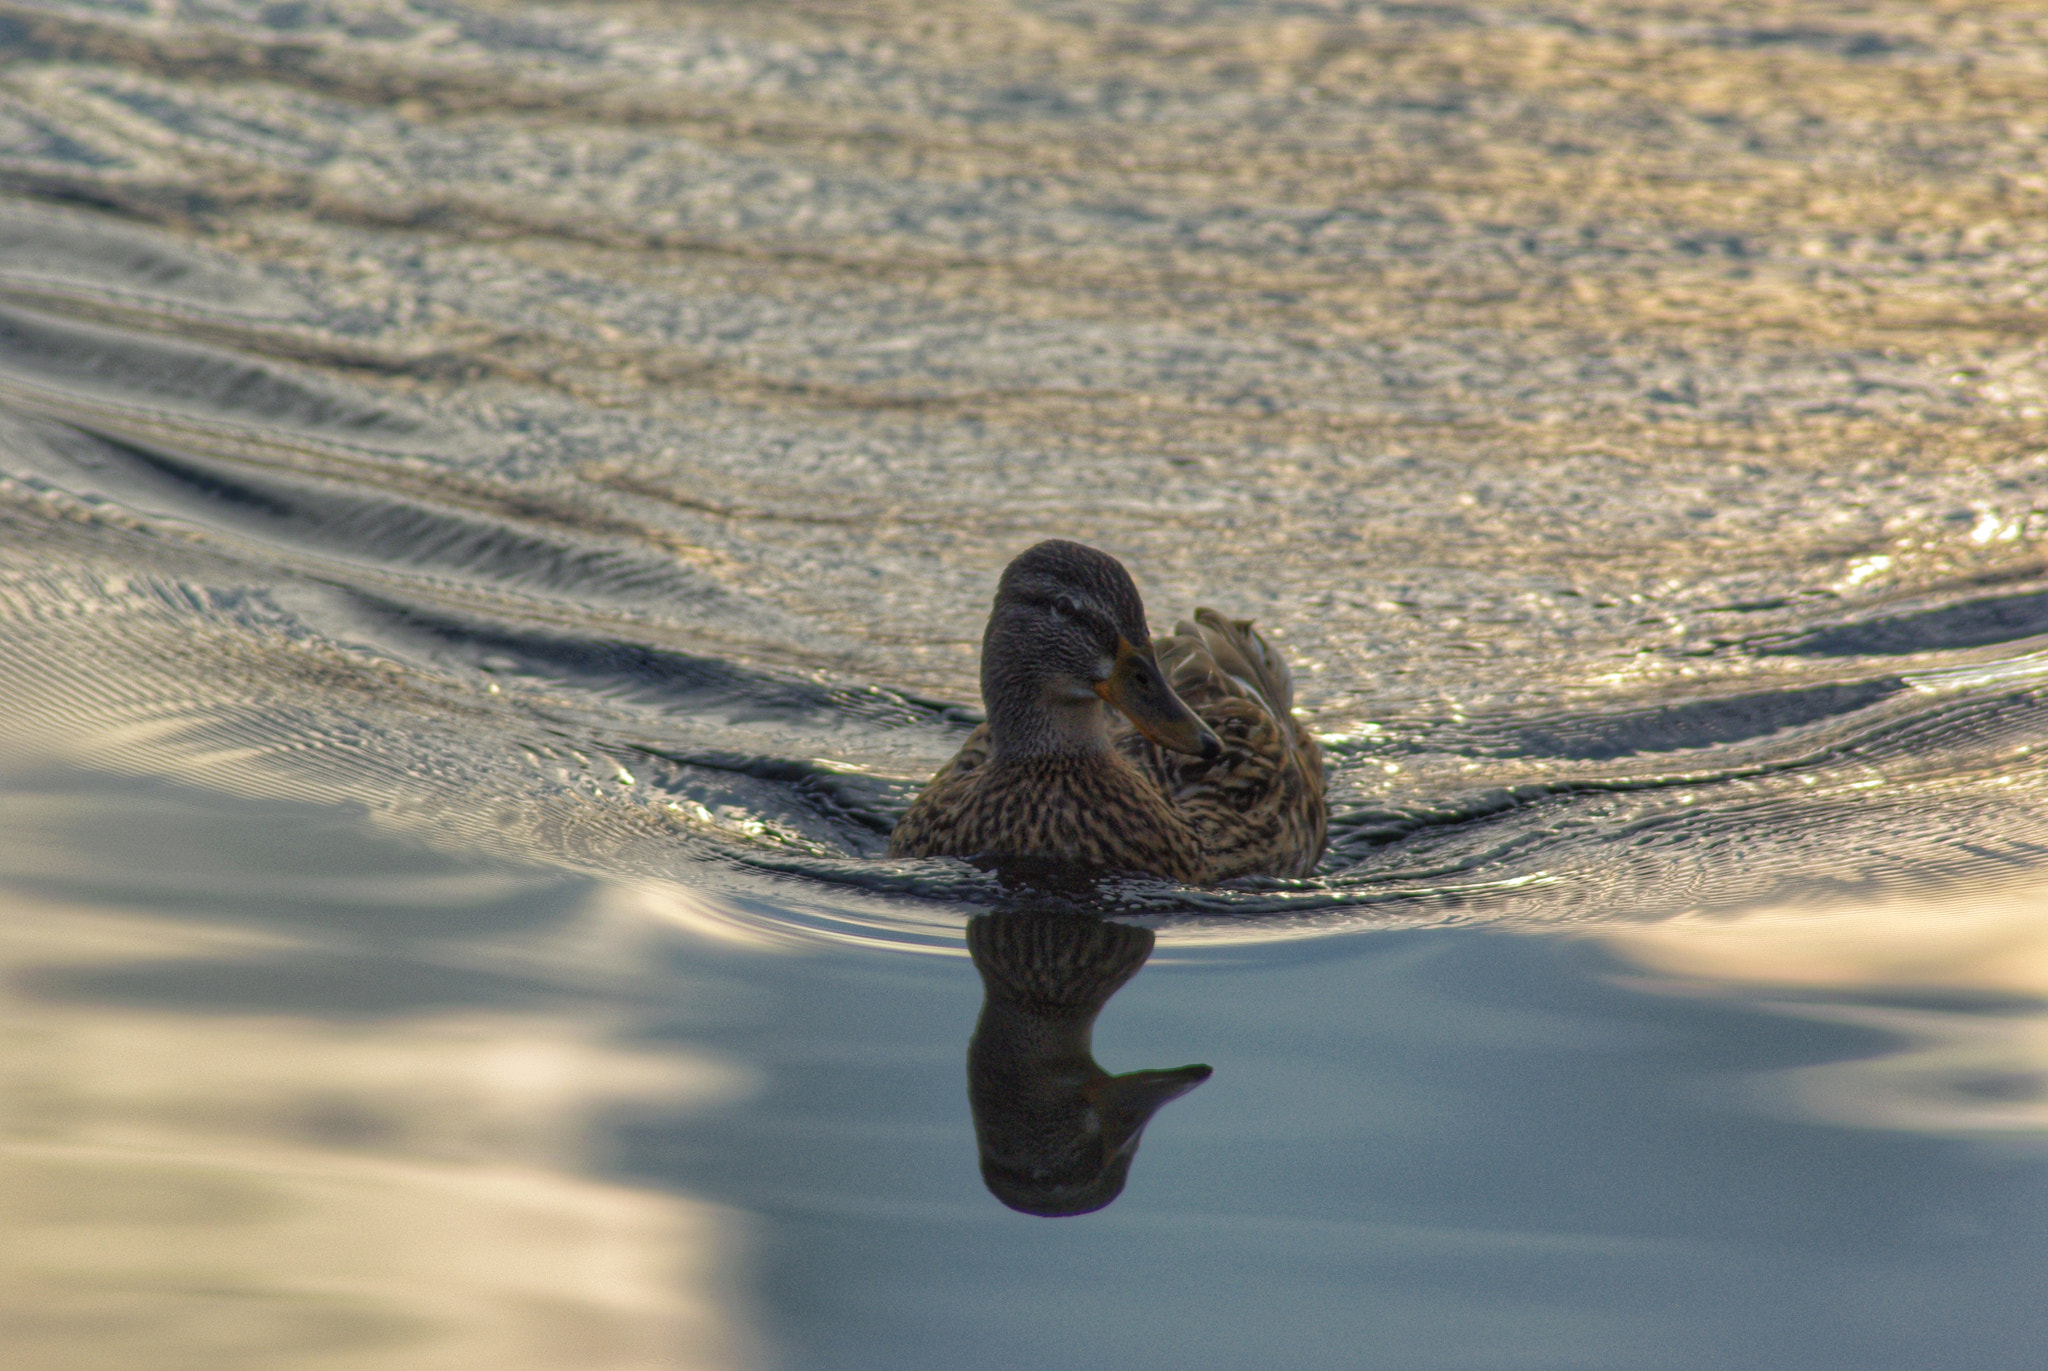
(1056, 1131)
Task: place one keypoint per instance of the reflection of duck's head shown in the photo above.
(1067, 634)
(1057, 1132)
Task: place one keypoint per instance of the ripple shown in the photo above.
(595, 444)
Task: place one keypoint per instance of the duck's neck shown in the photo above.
(1034, 727)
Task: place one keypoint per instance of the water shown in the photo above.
(497, 505)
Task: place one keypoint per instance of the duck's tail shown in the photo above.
(1212, 658)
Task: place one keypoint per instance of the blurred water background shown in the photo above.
(497, 506)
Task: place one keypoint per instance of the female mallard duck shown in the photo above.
(1197, 772)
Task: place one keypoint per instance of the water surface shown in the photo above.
(497, 505)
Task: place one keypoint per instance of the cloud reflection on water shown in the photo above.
(400, 1192)
(1959, 983)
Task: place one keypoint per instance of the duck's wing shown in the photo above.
(1257, 808)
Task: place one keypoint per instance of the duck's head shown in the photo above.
(1067, 635)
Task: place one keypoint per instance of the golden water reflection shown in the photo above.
(1960, 984)
(274, 1191)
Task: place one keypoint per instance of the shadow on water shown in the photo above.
(1972, 623)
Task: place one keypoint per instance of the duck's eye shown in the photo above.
(1067, 607)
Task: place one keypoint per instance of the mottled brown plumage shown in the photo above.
(1257, 808)
(1100, 813)
(1200, 772)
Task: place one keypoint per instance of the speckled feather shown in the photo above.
(1101, 813)
(1257, 808)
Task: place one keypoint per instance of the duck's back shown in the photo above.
(1258, 807)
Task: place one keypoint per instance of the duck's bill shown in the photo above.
(1138, 690)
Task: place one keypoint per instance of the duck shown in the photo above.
(1106, 751)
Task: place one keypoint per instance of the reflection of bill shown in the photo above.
(1056, 1131)
(1960, 982)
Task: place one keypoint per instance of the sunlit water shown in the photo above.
(497, 505)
